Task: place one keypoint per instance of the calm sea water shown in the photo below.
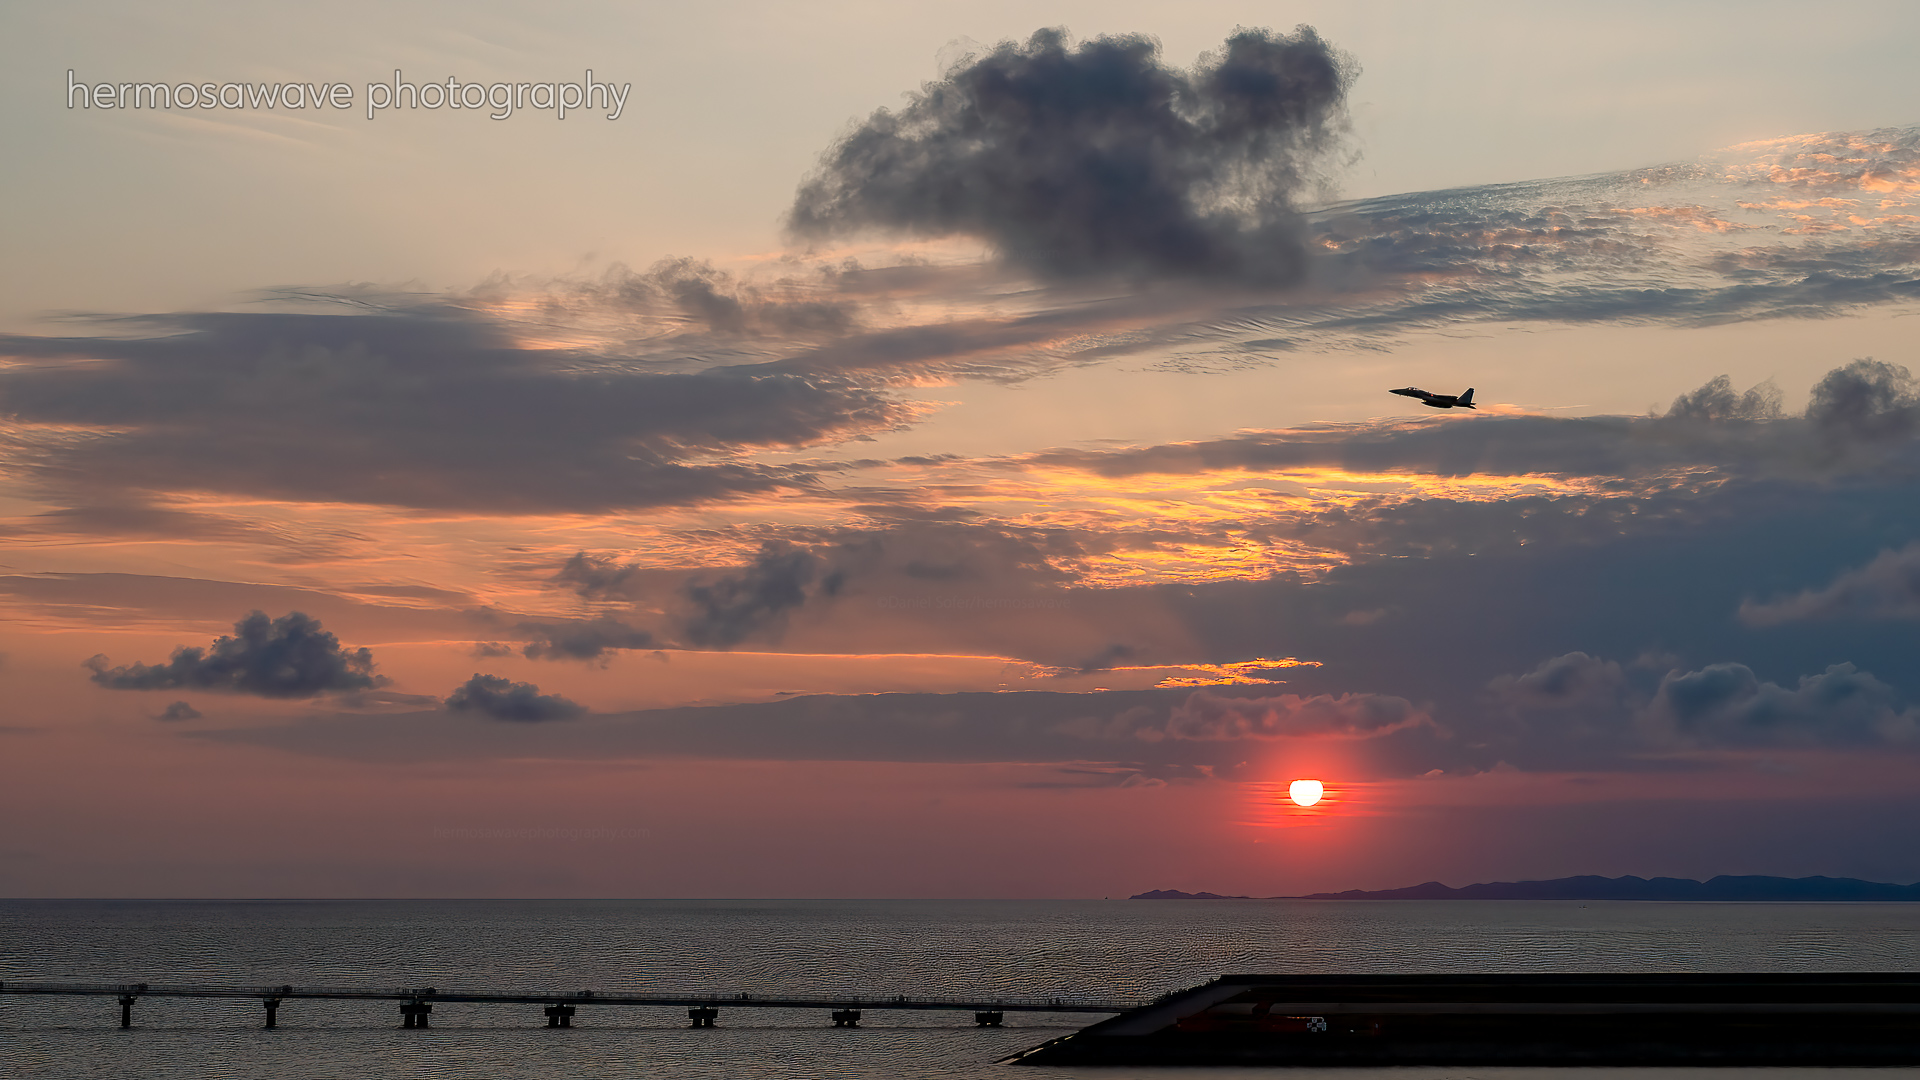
(1088, 949)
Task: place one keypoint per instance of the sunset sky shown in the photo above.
(944, 450)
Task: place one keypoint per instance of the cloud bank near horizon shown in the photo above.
(1570, 714)
(1726, 490)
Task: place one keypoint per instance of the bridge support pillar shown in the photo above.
(273, 1009)
(703, 1015)
(987, 1019)
(126, 1010)
(413, 1014)
(848, 1018)
(559, 1016)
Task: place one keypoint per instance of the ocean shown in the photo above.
(874, 948)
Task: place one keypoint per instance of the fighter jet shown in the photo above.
(1438, 401)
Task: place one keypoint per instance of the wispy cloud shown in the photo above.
(1886, 588)
(428, 407)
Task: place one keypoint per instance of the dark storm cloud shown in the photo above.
(1562, 682)
(426, 406)
(1866, 401)
(1886, 588)
(598, 578)
(502, 699)
(1728, 705)
(288, 657)
(1099, 160)
(1581, 713)
(1716, 401)
(1474, 589)
(1572, 712)
(728, 610)
(590, 639)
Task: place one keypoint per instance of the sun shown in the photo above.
(1306, 792)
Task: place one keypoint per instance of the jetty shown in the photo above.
(560, 1007)
(1462, 1020)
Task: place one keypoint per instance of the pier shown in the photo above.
(1743, 1019)
(560, 1007)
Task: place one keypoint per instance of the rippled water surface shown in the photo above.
(1070, 949)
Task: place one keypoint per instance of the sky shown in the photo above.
(945, 450)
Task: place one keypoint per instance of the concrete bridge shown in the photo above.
(559, 1007)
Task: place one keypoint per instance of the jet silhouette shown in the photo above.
(1438, 401)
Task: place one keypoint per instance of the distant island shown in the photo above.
(1590, 887)
(1176, 894)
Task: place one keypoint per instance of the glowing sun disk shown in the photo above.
(1305, 792)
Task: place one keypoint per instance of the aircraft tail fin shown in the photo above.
(1467, 398)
